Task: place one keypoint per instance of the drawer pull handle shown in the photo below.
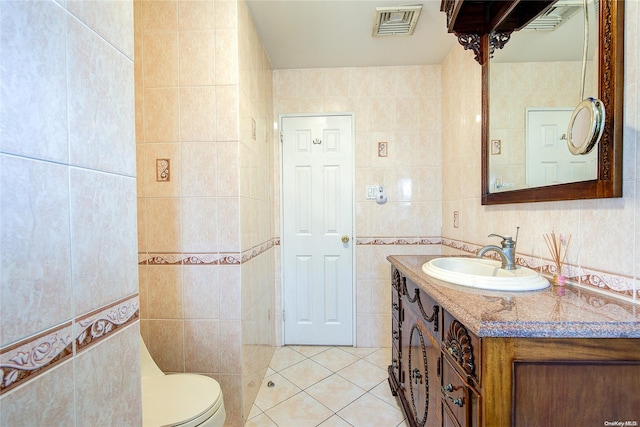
(448, 389)
(416, 375)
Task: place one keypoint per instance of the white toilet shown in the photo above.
(184, 400)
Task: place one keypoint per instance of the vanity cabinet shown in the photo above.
(445, 374)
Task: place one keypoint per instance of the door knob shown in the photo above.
(345, 239)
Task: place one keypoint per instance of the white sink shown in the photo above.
(482, 273)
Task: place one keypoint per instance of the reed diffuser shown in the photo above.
(558, 246)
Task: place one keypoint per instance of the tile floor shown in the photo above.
(327, 387)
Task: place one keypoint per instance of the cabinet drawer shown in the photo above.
(424, 307)
(459, 401)
(454, 394)
(463, 348)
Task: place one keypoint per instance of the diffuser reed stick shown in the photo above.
(558, 246)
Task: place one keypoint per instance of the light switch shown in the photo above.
(372, 191)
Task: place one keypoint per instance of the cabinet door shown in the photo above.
(421, 363)
(422, 380)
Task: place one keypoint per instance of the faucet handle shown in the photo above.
(507, 237)
(507, 240)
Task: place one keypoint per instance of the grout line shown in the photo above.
(258, 411)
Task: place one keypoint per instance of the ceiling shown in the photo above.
(337, 33)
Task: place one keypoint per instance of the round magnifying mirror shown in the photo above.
(586, 126)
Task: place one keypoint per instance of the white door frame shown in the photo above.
(353, 216)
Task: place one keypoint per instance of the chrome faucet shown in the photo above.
(506, 250)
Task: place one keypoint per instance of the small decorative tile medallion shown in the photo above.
(163, 172)
(496, 146)
(382, 149)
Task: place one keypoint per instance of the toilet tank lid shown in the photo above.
(179, 398)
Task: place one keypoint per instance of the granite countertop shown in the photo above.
(556, 312)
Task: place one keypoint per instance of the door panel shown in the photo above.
(317, 200)
(549, 160)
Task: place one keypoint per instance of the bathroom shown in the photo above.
(193, 259)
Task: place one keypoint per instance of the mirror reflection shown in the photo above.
(535, 83)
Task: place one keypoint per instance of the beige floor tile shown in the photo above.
(306, 392)
(299, 411)
(282, 390)
(363, 374)
(369, 411)
(359, 351)
(381, 358)
(334, 359)
(255, 411)
(383, 392)
(305, 373)
(283, 357)
(335, 421)
(260, 421)
(309, 350)
(335, 392)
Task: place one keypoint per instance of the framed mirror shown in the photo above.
(531, 88)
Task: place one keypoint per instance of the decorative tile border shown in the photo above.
(228, 258)
(95, 326)
(616, 285)
(22, 361)
(398, 241)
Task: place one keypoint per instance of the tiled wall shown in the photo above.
(256, 207)
(605, 245)
(400, 106)
(69, 297)
(203, 105)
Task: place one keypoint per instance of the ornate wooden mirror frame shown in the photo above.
(610, 88)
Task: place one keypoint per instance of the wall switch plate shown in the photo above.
(372, 191)
(456, 219)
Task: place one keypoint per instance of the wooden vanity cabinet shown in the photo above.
(445, 375)
(416, 334)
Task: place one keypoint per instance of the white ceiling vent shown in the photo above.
(395, 21)
(560, 13)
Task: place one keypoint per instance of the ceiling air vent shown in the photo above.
(395, 21)
(560, 13)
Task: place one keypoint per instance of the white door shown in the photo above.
(317, 210)
(549, 160)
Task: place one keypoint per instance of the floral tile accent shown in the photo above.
(398, 240)
(163, 170)
(93, 327)
(201, 259)
(32, 356)
(164, 259)
(214, 258)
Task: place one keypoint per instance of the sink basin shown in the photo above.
(482, 273)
